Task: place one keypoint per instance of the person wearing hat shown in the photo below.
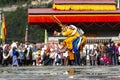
(75, 40)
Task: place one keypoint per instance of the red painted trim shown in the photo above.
(74, 18)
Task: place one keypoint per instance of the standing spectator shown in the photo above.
(42, 53)
(101, 49)
(14, 44)
(65, 55)
(14, 57)
(38, 58)
(119, 54)
(1, 54)
(116, 52)
(110, 51)
(93, 54)
(60, 47)
(52, 55)
(34, 54)
(46, 58)
(83, 56)
(92, 57)
(62, 56)
(21, 54)
(114, 57)
(57, 60)
(28, 53)
(29, 56)
(6, 55)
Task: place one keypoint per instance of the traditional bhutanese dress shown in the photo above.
(14, 58)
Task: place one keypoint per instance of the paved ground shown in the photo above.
(60, 73)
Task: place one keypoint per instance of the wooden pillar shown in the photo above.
(26, 34)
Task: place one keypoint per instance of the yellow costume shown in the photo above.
(72, 32)
(71, 55)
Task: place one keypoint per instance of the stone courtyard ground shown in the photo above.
(60, 73)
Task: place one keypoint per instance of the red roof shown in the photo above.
(39, 15)
(51, 11)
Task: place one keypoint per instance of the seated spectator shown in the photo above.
(105, 60)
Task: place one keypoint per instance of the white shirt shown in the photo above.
(14, 44)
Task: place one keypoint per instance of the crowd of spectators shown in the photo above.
(52, 53)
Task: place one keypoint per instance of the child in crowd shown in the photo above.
(105, 60)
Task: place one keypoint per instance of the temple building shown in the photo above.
(100, 19)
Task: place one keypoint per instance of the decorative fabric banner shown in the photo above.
(85, 7)
(3, 29)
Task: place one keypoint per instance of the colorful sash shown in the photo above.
(76, 44)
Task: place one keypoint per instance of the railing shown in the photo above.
(89, 39)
